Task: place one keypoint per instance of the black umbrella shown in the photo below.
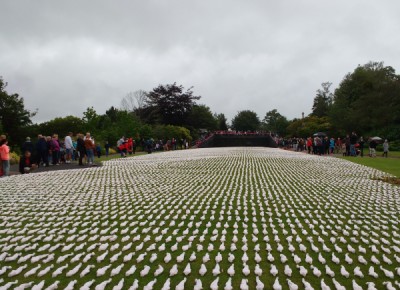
(377, 139)
(319, 134)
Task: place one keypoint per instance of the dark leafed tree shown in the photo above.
(90, 119)
(13, 114)
(246, 121)
(200, 117)
(222, 122)
(134, 101)
(368, 101)
(171, 103)
(275, 122)
(61, 126)
(112, 113)
(322, 101)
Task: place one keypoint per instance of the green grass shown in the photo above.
(281, 191)
(389, 165)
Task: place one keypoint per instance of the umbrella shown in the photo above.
(319, 134)
(377, 139)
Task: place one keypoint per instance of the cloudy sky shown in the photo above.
(64, 56)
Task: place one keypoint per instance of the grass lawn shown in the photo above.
(218, 216)
(390, 165)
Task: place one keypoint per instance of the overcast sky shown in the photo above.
(64, 56)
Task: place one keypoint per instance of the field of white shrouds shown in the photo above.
(226, 218)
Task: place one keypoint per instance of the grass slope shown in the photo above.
(230, 201)
(388, 165)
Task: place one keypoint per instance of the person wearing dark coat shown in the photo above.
(26, 164)
(42, 151)
(107, 147)
(80, 147)
(361, 142)
(353, 142)
(28, 145)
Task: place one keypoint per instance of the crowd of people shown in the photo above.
(240, 133)
(128, 145)
(351, 145)
(50, 150)
(53, 151)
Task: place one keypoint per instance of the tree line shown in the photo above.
(168, 111)
(367, 101)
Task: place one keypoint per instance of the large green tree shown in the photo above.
(368, 101)
(322, 101)
(246, 121)
(61, 126)
(222, 122)
(201, 117)
(168, 131)
(171, 103)
(307, 126)
(275, 122)
(14, 117)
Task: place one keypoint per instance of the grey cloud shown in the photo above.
(64, 56)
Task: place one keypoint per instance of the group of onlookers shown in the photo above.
(125, 146)
(26, 163)
(129, 145)
(352, 145)
(50, 150)
(234, 132)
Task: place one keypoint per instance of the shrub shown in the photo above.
(14, 158)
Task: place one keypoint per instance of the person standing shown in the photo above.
(80, 148)
(347, 143)
(89, 146)
(107, 148)
(74, 154)
(331, 145)
(98, 150)
(69, 147)
(372, 148)
(5, 157)
(294, 144)
(173, 143)
(353, 142)
(133, 146)
(338, 146)
(385, 148)
(55, 150)
(2, 137)
(130, 145)
(309, 144)
(49, 152)
(361, 142)
(42, 151)
(28, 145)
(120, 145)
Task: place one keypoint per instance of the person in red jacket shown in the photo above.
(309, 144)
(130, 146)
(124, 148)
